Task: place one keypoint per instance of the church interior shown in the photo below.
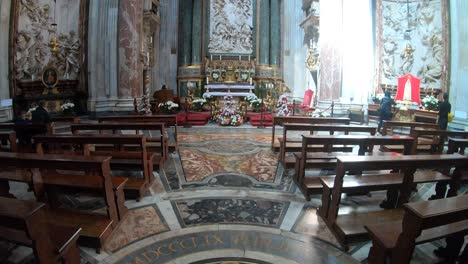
(233, 131)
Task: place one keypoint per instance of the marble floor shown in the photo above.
(222, 198)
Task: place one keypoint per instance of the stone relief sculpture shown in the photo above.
(231, 26)
(32, 52)
(411, 42)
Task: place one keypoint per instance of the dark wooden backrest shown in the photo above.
(114, 127)
(10, 138)
(387, 126)
(28, 128)
(425, 215)
(457, 145)
(364, 142)
(95, 166)
(407, 164)
(328, 128)
(437, 136)
(65, 119)
(168, 120)
(28, 220)
(280, 120)
(117, 142)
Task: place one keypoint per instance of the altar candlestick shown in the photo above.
(239, 58)
(220, 57)
(249, 58)
(250, 80)
(211, 57)
(207, 80)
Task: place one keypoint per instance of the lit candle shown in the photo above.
(250, 80)
(207, 80)
(151, 39)
(211, 57)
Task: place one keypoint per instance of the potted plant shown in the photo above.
(430, 103)
(68, 109)
(168, 107)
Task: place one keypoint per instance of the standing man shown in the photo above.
(444, 109)
(385, 109)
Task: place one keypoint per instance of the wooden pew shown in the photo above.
(422, 222)
(280, 120)
(62, 124)
(295, 144)
(435, 138)
(86, 173)
(406, 128)
(157, 144)
(8, 138)
(137, 159)
(350, 228)
(327, 159)
(168, 120)
(24, 133)
(25, 223)
(457, 145)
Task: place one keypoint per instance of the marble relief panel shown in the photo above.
(130, 47)
(411, 41)
(231, 26)
(34, 31)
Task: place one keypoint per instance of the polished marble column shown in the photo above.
(130, 57)
(5, 7)
(264, 28)
(197, 31)
(186, 13)
(275, 40)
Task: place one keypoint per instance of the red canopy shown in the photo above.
(412, 83)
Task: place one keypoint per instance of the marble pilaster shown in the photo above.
(130, 45)
(197, 31)
(186, 12)
(331, 31)
(264, 28)
(458, 91)
(6, 112)
(102, 57)
(275, 32)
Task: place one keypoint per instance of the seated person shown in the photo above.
(40, 115)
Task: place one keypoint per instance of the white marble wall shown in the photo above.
(166, 62)
(459, 64)
(5, 112)
(294, 52)
(102, 57)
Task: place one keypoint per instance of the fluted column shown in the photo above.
(186, 11)
(197, 31)
(264, 32)
(275, 41)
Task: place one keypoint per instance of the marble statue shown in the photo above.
(389, 48)
(68, 55)
(433, 60)
(408, 59)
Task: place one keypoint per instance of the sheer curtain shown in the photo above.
(358, 50)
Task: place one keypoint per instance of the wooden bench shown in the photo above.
(422, 222)
(24, 133)
(349, 228)
(25, 223)
(306, 160)
(434, 138)
(280, 120)
(82, 172)
(295, 144)
(9, 139)
(457, 145)
(156, 144)
(136, 159)
(389, 128)
(168, 120)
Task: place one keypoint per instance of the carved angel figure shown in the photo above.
(68, 55)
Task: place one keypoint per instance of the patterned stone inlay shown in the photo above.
(238, 211)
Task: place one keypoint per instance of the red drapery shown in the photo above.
(415, 88)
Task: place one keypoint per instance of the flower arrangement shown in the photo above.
(320, 113)
(282, 106)
(207, 97)
(228, 116)
(67, 108)
(430, 102)
(251, 97)
(168, 107)
(197, 104)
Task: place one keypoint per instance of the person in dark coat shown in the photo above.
(444, 109)
(385, 109)
(40, 115)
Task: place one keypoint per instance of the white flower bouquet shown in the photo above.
(198, 103)
(430, 102)
(168, 107)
